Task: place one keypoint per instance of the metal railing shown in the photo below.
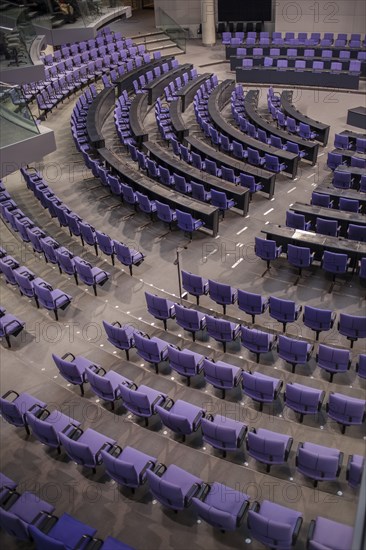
(176, 33)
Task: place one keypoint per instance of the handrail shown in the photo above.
(176, 33)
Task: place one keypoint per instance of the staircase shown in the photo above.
(157, 41)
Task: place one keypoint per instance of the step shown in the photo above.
(163, 38)
(136, 36)
(167, 47)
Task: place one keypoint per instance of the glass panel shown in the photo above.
(175, 32)
(16, 119)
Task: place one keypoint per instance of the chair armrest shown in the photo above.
(115, 450)
(45, 521)
(98, 369)
(59, 298)
(193, 491)
(310, 532)
(300, 445)
(296, 532)
(74, 430)
(68, 354)
(36, 407)
(148, 466)
(322, 395)
(9, 393)
(340, 461)
(255, 507)
(160, 469)
(209, 417)
(116, 323)
(11, 322)
(288, 447)
(197, 420)
(105, 447)
(241, 513)
(84, 541)
(156, 400)
(168, 404)
(241, 435)
(42, 414)
(203, 492)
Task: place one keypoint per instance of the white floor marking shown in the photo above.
(237, 263)
(290, 190)
(311, 175)
(241, 230)
(268, 211)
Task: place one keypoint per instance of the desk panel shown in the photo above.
(187, 92)
(97, 113)
(156, 88)
(344, 218)
(137, 114)
(231, 50)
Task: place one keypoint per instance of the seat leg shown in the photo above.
(224, 309)
(188, 381)
(112, 257)
(253, 318)
(223, 394)
(224, 453)
(95, 289)
(59, 450)
(317, 335)
(183, 438)
(130, 268)
(94, 470)
(352, 342)
(331, 377)
(284, 327)
(301, 418)
(315, 483)
(157, 368)
(127, 354)
(194, 336)
(81, 386)
(224, 346)
(56, 314)
(7, 338)
(293, 368)
(82, 239)
(343, 428)
(112, 405)
(60, 270)
(165, 324)
(96, 248)
(146, 421)
(76, 278)
(198, 300)
(27, 428)
(261, 406)
(268, 468)
(257, 357)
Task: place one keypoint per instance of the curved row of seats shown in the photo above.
(342, 40)
(327, 227)
(90, 448)
(342, 141)
(282, 310)
(30, 519)
(335, 159)
(143, 80)
(323, 199)
(308, 53)
(343, 179)
(354, 66)
(77, 227)
(174, 488)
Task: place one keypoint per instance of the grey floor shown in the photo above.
(137, 519)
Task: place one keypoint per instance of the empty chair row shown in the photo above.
(336, 159)
(28, 518)
(325, 226)
(343, 179)
(77, 227)
(306, 54)
(342, 141)
(346, 204)
(342, 39)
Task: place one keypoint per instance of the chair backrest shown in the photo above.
(224, 435)
(270, 531)
(259, 386)
(135, 400)
(121, 337)
(169, 494)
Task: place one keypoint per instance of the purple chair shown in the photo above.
(352, 326)
(342, 141)
(128, 256)
(295, 352)
(220, 200)
(180, 416)
(223, 433)
(221, 375)
(10, 325)
(122, 337)
(185, 362)
(252, 304)
(300, 257)
(284, 311)
(222, 330)
(105, 244)
(221, 506)
(274, 525)
(19, 518)
(261, 388)
(194, 284)
(160, 308)
(325, 534)
(361, 365)
(222, 294)
(73, 368)
(190, 319)
(49, 298)
(327, 227)
(297, 221)
(172, 486)
(46, 426)
(153, 350)
(333, 360)
(14, 411)
(67, 532)
(84, 447)
(268, 447)
(335, 264)
(305, 132)
(6, 486)
(321, 199)
(319, 463)
(141, 400)
(318, 320)
(187, 223)
(127, 466)
(303, 399)
(257, 341)
(88, 235)
(345, 410)
(105, 384)
(267, 250)
(89, 275)
(354, 471)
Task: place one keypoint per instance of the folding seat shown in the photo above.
(267, 447)
(305, 132)
(319, 463)
(356, 232)
(6, 486)
(129, 195)
(199, 192)
(257, 52)
(358, 162)
(354, 43)
(180, 416)
(282, 64)
(318, 320)
(20, 516)
(326, 534)
(221, 375)
(224, 512)
(153, 350)
(291, 125)
(321, 199)
(257, 341)
(49, 246)
(261, 388)
(354, 471)
(160, 308)
(274, 52)
(187, 363)
(238, 150)
(128, 256)
(105, 384)
(187, 223)
(226, 37)
(14, 410)
(120, 337)
(297, 221)
(277, 38)
(141, 400)
(252, 304)
(247, 62)
(281, 119)
(165, 213)
(342, 142)
(222, 294)
(361, 366)
(49, 298)
(295, 352)
(344, 54)
(194, 284)
(274, 525)
(347, 411)
(248, 181)
(335, 264)
(190, 319)
(360, 145)
(221, 330)
(212, 169)
(352, 326)
(46, 426)
(35, 234)
(83, 447)
(327, 54)
(299, 257)
(127, 466)
(303, 399)
(327, 227)
(180, 184)
(252, 130)
(89, 275)
(223, 433)
(88, 235)
(254, 157)
(172, 486)
(8, 265)
(284, 311)
(341, 180)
